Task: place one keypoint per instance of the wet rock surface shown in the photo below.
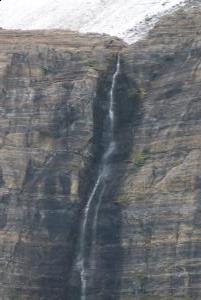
(48, 84)
(160, 196)
(54, 91)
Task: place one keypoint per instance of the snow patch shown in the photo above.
(127, 19)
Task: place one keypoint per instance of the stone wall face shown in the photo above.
(160, 195)
(54, 91)
(48, 84)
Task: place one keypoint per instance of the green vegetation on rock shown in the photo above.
(140, 158)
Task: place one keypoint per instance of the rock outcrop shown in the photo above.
(160, 196)
(54, 91)
(48, 86)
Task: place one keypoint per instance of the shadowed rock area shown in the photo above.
(54, 93)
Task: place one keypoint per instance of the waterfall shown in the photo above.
(111, 108)
(98, 187)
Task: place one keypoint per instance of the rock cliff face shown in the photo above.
(160, 195)
(54, 91)
(49, 145)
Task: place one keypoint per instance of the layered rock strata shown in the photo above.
(54, 97)
(48, 147)
(160, 196)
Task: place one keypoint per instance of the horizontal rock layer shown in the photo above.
(54, 93)
(48, 85)
(160, 196)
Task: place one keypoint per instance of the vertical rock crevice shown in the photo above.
(109, 257)
(91, 172)
(104, 277)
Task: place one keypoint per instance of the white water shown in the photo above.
(103, 174)
(111, 109)
(83, 234)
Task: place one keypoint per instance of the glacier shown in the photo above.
(127, 19)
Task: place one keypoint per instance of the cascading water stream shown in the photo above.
(99, 185)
